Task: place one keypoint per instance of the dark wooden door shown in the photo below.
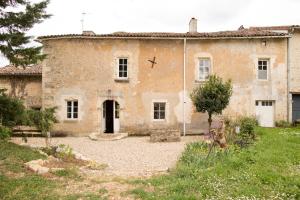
(296, 107)
(109, 118)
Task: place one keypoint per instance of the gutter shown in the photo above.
(288, 79)
(184, 84)
(158, 38)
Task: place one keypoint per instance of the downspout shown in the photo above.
(288, 79)
(184, 87)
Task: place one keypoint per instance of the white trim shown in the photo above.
(166, 110)
(72, 107)
(268, 67)
(117, 77)
(197, 58)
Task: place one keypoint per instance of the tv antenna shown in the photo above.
(82, 20)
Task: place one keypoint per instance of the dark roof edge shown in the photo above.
(42, 38)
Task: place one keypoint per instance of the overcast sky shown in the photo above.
(105, 16)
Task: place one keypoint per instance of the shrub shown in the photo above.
(247, 134)
(282, 123)
(5, 133)
(11, 110)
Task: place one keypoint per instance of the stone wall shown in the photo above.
(28, 88)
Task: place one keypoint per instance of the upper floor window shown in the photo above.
(123, 68)
(263, 65)
(204, 68)
(72, 109)
(159, 110)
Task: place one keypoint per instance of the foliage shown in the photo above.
(16, 18)
(64, 151)
(212, 97)
(267, 170)
(282, 123)
(247, 134)
(11, 110)
(5, 133)
(43, 119)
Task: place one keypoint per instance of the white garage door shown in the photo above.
(265, 113)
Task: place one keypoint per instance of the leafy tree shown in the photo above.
(212, 97)
(16, 18)
(12, 110)
(44, 121)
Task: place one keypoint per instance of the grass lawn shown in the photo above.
(16, 182)
(270, 169)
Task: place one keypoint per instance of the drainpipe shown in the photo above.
(288, 79)
(184, 58)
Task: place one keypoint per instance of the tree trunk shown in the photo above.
(211, 146)
(209, 121)
(47, 139)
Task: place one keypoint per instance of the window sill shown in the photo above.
(159, 120)
(201, 81)
(70, 120)
(122, 80)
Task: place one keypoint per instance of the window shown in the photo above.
(123, 68)
(117, 110)
(263, 103)
(263, 69)
(204, 68)
(72, 109)
(159, 110)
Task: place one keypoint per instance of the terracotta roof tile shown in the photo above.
(274, 28)
(35, 70)
(244, 33)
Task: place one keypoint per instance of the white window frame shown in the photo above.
(74, 114)
(201, 77)
(118, 68)
(166, 110)
(267, 70)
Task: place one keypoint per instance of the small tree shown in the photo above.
(44, 121)
(212, 97)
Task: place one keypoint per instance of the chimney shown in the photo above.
(193, 25)
(88, 33)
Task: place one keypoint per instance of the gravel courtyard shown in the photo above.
(132, 156)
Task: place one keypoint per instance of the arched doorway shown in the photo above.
(111, 115)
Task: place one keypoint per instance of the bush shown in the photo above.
(5, 133)
(247, 134)
(282, 123)
(11, 110)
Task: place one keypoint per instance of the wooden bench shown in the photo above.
(26, 131)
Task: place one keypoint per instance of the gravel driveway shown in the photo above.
(132, 156)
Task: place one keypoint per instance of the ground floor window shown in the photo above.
(159, 110)
(72, 109)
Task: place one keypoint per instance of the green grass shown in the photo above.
(70, 173)
(16, 182)
(268, 169)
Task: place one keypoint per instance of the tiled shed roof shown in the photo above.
(244, 33)
(274, 28)
(35, 70)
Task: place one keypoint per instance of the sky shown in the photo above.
(106, 16)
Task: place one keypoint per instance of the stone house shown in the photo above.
(140, 82)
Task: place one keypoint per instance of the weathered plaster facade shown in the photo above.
(27, 88)
(85, 69)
